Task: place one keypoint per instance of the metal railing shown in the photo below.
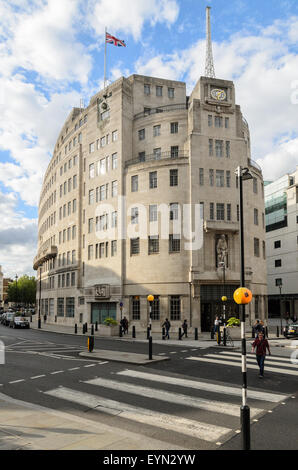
(160, 156)
(161, 109)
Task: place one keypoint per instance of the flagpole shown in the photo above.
(105, 60)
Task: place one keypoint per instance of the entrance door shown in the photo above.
(102, 310)
(206, 316)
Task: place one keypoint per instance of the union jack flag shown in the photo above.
(112, 40)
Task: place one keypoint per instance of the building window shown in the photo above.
(217, 121)
(91, 196)
(141, 134)
(134, 215)
(157, 153)
(228, 178)
(91, 147)
(211, 177)
(211, 210)
(90, 252)
(220, 178)
(135, 306)
(277, 263)
(171, 92)
(201, 177)
(142, 156)
(174, 151)
(156, 131)
(219, 148)
(114, 136)
(147, 89)
(134, 183)
(174, 127)
(114, 248)
(60, 307)
(174, 177)
(210, 147)
(227, 123)
(153, 216)
(134, 246)
(114, 188)
(264, 250)
(153, 244)
(174, 211)
(174, 243)
(256, 217)
(114, 219)
(90, 225)
(277, 244)
(278, 282)
(175, 307)
(114, 161)
(70, 303)
(209, 120)
(153, 179)
(228, 149)
(155, 312)
(220, 211)
(256, 247)
(229, 212)
(255, 185)
(158, 90)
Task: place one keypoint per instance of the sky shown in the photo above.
(52, 57)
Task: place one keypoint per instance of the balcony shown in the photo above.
(45, 255)
(157, 157)
(221, 226)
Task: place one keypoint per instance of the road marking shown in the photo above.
(189, 427)
(90, 365)
(37, 377)
(210, 387)
(252, 355)
(16, 381)
(170, 397)
(74, 368)
(237, 364)
(57, 372)
(253, 359)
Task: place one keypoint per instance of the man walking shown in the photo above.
(167, 326)
(261, 345)
(184, 327)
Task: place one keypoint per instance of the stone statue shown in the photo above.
(222, 250)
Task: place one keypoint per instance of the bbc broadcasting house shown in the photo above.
(121, 195)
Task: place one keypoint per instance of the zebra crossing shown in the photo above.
(44, 348)
(202, 413)
(275, 364)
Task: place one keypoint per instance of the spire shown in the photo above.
(209, 66)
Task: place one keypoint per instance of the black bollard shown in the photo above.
(90, 343)
(92, 330)
(150, 348)
(163, 333)
(76, 328)
(277, 332)
(84, 328)
(196, 334)
(133, 331)
(224, 337)
(96, 326)
(179, 334)
(148, 332)
(120, 331)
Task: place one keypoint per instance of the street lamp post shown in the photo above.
(39, 307)
(243, 174)
(16, 290)
(150, 299)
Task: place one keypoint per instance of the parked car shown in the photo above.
(19, 322)
(8, 317)
(291, 331)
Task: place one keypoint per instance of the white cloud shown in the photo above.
(129, 16)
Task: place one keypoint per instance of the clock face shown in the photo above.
(218, 94)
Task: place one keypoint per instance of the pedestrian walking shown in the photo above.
(125, 325)
(184, 328)
(167, 326)
(216, 325)
(261, 345)
(258, 327)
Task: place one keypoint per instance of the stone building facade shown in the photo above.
(141, 197)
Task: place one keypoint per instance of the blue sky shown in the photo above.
(52, 54)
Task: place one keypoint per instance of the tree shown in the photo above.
(22, 291)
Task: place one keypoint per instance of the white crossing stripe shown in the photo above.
(238, 363)
(189, 427)
(210, 387)
(268, 358)
(170, 397)
(252, 358)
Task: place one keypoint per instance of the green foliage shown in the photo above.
(23, 291)
(233, 321)
(110, 322)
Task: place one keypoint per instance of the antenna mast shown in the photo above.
(209, 66)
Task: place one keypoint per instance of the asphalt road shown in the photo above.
(192, 400)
